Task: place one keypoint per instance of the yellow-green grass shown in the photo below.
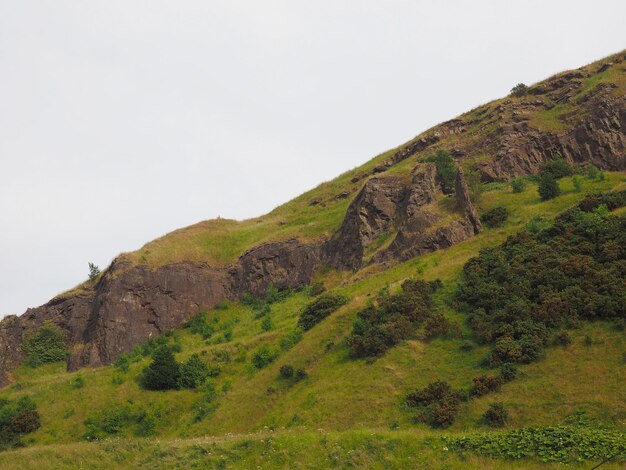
(342, 394)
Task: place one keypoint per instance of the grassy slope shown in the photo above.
(340, 396)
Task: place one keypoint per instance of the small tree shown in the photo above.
(163, 373)
(94, 270)
(193, 372)
(548, 187)
(519, 90)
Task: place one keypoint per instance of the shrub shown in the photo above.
(592, 172)
(77, 382)
(392, 319)
(557, 168)
(519, 90)
(496, 415)
(207, 404)
(263, 356)
(122, 363)
(438, 325)
(438, 404)
(94, 271)
(562, 338)
(201, 325)
(548, 187)
(495, 217)
(163, 373)
(300, 374)
(17, 417)
(45, 346)
(446, 170)
(466, 346)
(319, 309)
(286, 371)
(193, 372)
(121, 418)
(266, 324)
(484, 384)
(290, 339)
(578, 183)
(316, 289)
(518, 185)
(508, 372)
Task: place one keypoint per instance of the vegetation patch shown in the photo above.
(18, 417)
(319, 309)
(45, 346)
(534, 284)
(564, 444)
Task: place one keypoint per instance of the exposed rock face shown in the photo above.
(393, 205)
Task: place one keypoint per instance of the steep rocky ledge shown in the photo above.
(391, 219)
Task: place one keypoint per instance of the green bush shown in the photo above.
(437, 403)
(121, 419)
(263, 356)
(17, 417)
(77, 382)
(578, 183)
(556, 168)
(393, 318)
(45, 346)
(207, 404)
(300, 374)
(519, 90)
(495, 217)
(193, 372)
(201, 325)
(548, 187)
(291, 338)
(122, 363)
(518, 185)
(163, 373)
(319, 309)
(484, 384)
(496, 415)
(508, 372)
(286, 371)
(446, 170)
(266, 324)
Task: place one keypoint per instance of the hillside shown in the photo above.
(358, 237)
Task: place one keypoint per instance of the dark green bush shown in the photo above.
(263, 356)
(508, 372)
(496, 415)
(193, 372)
(300, 374)
(17, 417)
(45, 346)
(519, 90)
(548, 187)
(518, 185)
(122, 363)
(391, 319)
(201, 325)
(556, 168)
(495, 217)
(78, 382)
(291, 338)
(446, 170)
(286, 371)
(437, 403)
(484, 384)
(319, 309)
(163, 373)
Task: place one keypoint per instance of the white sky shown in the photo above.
(123, 120)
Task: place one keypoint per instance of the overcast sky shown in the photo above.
(123, 120)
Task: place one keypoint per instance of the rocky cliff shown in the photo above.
(130, 303)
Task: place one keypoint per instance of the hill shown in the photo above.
(359, 237)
